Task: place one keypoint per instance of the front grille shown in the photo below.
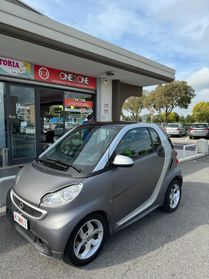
(26, 208)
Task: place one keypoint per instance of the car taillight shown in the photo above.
(206, 129)
(177, 160)
(178, 129)
(190, 129)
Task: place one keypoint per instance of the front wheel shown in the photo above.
(172, 197)
(86, 240)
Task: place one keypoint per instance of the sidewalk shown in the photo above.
(7, 179)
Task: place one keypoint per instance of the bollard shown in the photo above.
(4, 155)
(202, 146)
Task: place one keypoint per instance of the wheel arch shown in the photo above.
(100, 212)
(178, 178)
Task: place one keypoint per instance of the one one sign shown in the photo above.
(51, 75)
(14, 67)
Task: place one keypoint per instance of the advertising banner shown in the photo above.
(78, 103)
(13, 67)
(51, 75)
(16, 68)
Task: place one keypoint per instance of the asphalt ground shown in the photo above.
(160, 245)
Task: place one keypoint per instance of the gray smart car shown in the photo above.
(95, 180)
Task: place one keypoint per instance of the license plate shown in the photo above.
(20, 220)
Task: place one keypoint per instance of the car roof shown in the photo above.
(121, 124)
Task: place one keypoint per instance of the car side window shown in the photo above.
(135, 143)
(155, 139)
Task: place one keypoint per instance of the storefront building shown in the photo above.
(52, 77)
(37, 115)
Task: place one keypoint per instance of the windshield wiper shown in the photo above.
(55, 163)
(60, 164)
(76, 168)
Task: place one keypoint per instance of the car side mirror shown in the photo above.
(123, 161)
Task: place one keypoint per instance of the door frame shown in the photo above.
(7, 108)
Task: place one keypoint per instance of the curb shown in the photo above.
(193, 157)
(2, 211)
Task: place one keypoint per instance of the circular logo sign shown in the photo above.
(43, 73)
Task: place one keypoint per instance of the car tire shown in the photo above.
(86, 240)
(190, 137)
(172, 197)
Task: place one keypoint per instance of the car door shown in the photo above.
(132, 186)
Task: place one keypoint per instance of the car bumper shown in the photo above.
(35, 240)
(193, 134)
(49, 235)
(174, 133)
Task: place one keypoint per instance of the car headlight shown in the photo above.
(62, 196)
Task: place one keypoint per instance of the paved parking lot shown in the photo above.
(158, 246)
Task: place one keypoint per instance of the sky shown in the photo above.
(174, 33)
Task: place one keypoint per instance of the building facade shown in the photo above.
(53, 76)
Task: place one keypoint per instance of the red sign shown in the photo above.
(52, 75)
(78, 103)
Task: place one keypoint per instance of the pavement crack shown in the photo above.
(126, 272)
(149, 257)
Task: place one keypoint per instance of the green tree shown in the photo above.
(173, 117)
(134, 105)
(200, 112)
(181, 119)
(189, 119)
(169, 96)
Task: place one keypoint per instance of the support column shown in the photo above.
(104, 100)
(116, 107)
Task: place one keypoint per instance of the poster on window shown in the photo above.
(14, 67)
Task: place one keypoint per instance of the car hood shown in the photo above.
(32, 184)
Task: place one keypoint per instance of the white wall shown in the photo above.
(104, 99)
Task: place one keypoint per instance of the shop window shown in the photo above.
(77, 107)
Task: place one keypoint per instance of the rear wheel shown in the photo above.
(86, 240)
(172, 197)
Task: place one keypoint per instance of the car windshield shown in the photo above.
(172, 125)
(199, 126)
(81, 149)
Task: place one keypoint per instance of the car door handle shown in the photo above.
(161, 152)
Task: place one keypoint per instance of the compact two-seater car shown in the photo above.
(95, 180)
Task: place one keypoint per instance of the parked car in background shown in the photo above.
(175, 129)
(199, 130)
(97, 179)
